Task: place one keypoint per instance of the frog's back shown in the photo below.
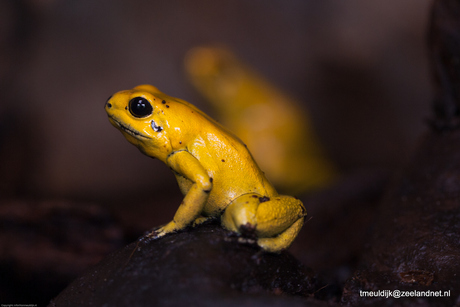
(230, 164)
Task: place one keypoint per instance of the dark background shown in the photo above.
(72, 189)
(359, 67)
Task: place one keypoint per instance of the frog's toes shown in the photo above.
(149, 236)
(244, 240)
(144, 240)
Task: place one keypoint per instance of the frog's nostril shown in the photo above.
(107, 103)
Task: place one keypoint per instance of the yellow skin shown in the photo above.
(214, 169)
(279, 133)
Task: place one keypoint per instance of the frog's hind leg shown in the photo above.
(276, 221)
(240, 215)
(283, 240)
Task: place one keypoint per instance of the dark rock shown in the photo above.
(416, 242)
(202, 266)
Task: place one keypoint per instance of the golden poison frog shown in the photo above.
(279, 133)
(213, 167)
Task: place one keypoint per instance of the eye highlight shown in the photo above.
(140, 107)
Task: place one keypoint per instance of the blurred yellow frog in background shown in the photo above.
(213, 167)
(274, 127)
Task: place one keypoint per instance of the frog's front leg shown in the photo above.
(275, 221)
(186, 165)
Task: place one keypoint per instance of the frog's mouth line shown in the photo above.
(129, 130)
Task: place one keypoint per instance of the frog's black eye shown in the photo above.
(140, 107)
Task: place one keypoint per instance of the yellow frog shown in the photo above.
(279, 132)
(214, 169)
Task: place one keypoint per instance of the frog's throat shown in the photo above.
(129, 130)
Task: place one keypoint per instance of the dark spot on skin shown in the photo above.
(247, 202)
(264, 199)
(223, 160)
(248, 230)
(180, 142)
(126, 108)
(210, 179)
(163, 102)
(255, 196)
(167, 106)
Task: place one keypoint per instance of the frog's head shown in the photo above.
(137, 113)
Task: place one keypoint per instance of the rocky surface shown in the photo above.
(416, 240)
(203, 266)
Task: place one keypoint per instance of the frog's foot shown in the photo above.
(274, 222)
(283, 240)
(148, 236)
(202, 219)
(158, 232)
